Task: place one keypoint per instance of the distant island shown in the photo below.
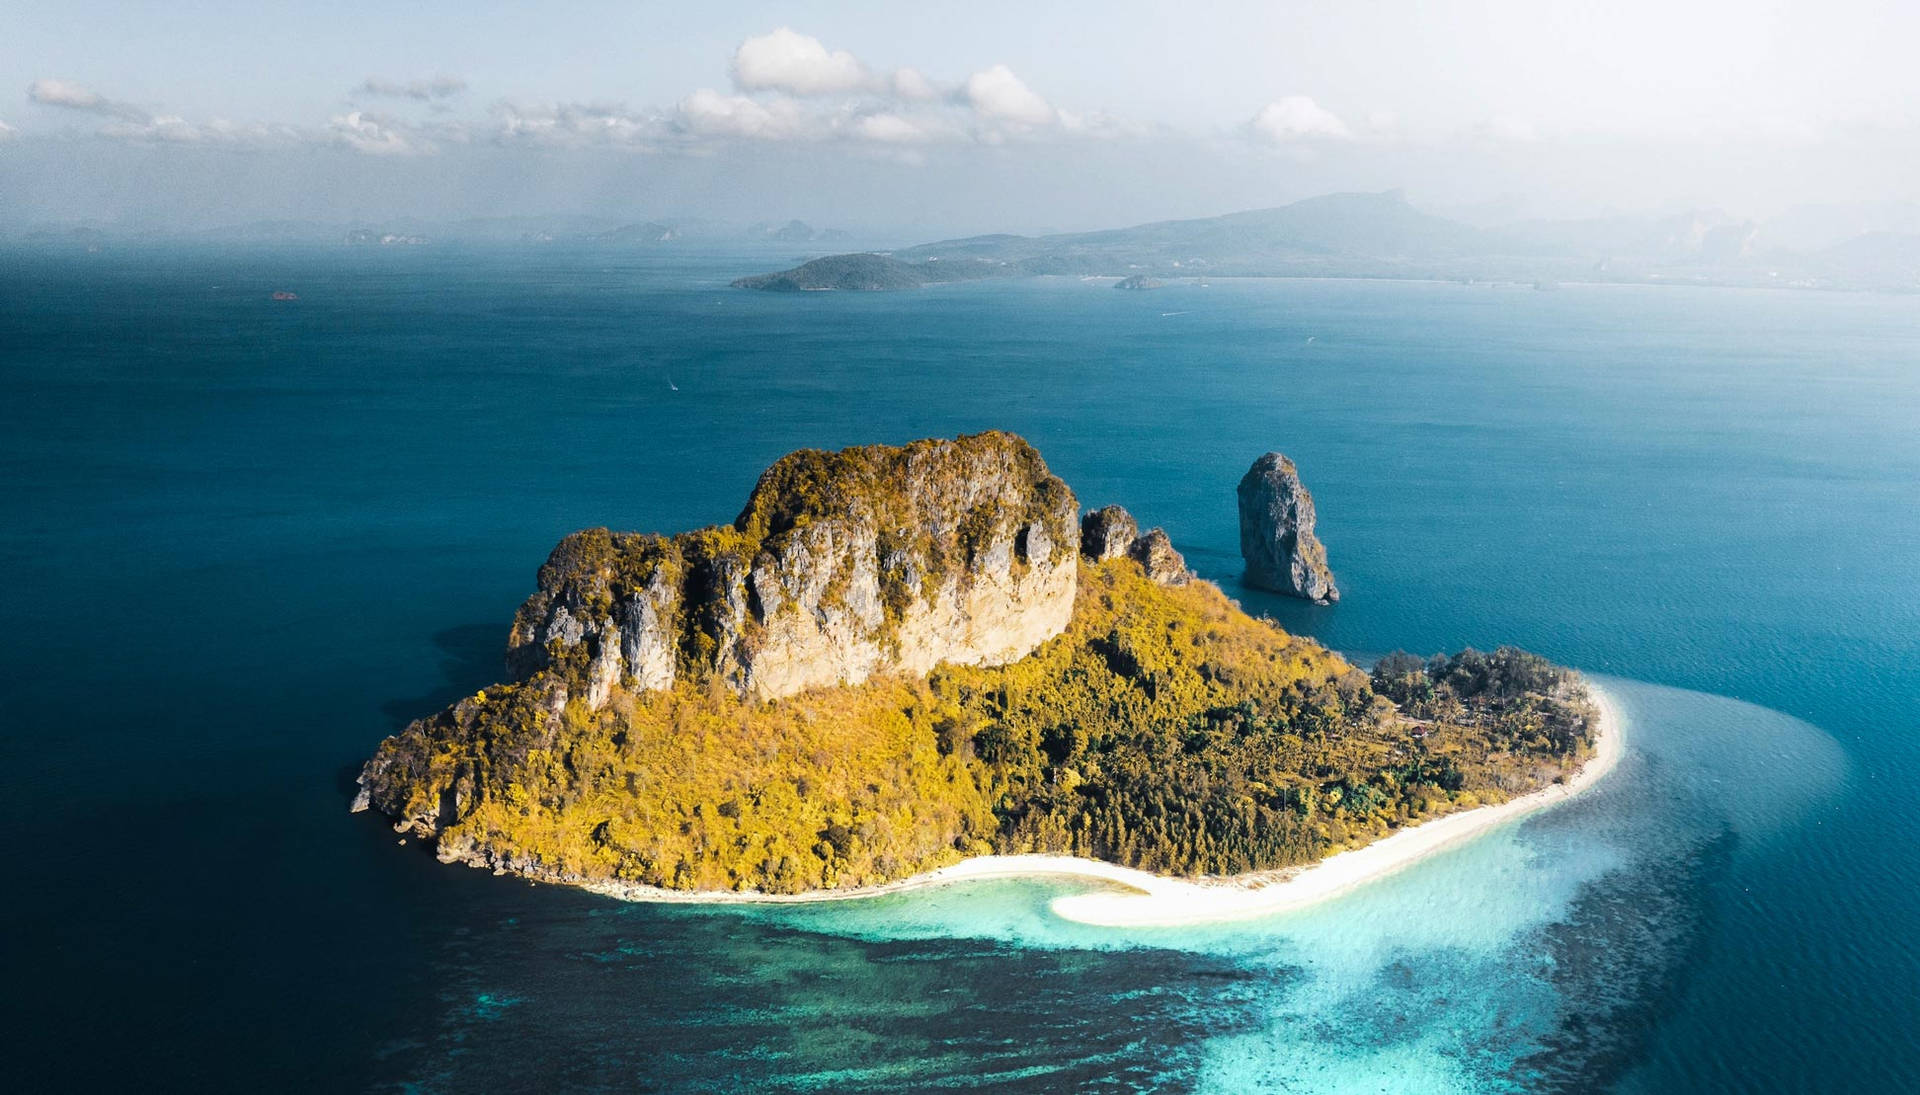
(859, 272)
(1377, 236)
(899, 660)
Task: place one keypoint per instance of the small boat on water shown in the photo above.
(282, 294)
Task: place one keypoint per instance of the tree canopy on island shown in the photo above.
(1164, 729)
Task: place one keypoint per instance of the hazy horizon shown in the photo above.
(904, 123)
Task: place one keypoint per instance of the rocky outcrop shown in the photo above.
(1107, 533)
(1276, 533)
(424, 787)
(1154, 552)
(842, 565)
(1111, 532)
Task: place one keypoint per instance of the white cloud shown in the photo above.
(373, 134)
(71, 96)
(1103, 126)
(164, 127)
(889, 129)
(574, 124)
(708, 113)
(428, 90)
(997, 93)
(788, 86)
(357, 130)
(1298, 118)
(786, 60)
(909, 84)
(6, 131)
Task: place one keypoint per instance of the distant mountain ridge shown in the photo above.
(1377, 235)
(1382, 226)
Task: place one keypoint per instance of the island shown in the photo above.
(866, 272)
(903, 664)
(645, 232)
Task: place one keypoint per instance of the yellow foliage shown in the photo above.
(1164, 728)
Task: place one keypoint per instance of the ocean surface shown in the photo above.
(242, 540)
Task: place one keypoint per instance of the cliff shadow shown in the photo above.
(473, 656)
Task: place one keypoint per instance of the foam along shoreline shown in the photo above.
(1140, 899)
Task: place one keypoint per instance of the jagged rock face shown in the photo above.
(1155, 554)
(1107, 533)
(607, 610)
(841, 566)
(1110, 532)
(1276, 533)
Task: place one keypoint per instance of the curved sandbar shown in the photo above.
(1150, 900)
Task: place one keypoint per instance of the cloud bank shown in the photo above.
(785, 86)
(125, 121)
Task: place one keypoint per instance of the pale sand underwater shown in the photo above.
(1147, 900)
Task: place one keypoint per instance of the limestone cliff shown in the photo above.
(1276, 533)
(841, 566)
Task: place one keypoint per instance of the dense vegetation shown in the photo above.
(866, 272)
(1521, 701)
(856, 271)
(1165, 729)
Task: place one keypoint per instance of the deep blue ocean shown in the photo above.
(242, 540)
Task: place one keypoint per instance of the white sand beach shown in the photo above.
(1141, 899)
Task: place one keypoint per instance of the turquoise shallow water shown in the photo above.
(1508, 963)
(243, 540)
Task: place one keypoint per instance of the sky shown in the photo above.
(982, 116)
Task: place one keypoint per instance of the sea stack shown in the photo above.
(1276, 533)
